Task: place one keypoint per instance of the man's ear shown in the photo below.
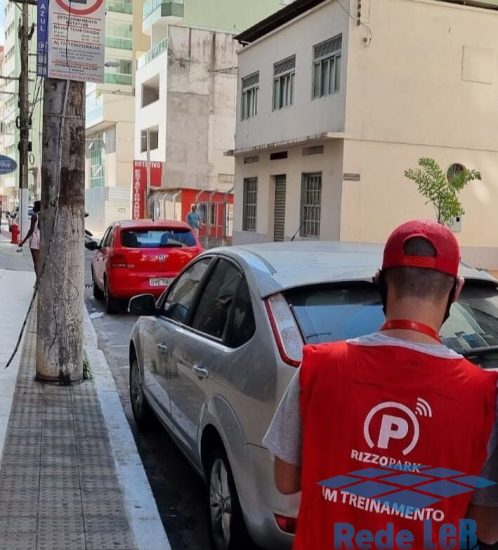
(460, 281)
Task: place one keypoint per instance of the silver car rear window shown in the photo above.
(329, 313)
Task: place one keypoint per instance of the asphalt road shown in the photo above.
(179, 492)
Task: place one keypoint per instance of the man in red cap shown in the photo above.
(386, 435)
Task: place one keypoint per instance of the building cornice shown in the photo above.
(325, 136)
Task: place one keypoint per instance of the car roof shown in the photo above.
(151, 224)
(280, 266)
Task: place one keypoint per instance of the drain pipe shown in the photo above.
(227, 210)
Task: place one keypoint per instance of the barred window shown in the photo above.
(250, 90)
(311, 200)
(327, 67)
(283, 83)
(250, 204)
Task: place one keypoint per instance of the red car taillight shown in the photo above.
(286, 524)
(285, 330)
(119, 261)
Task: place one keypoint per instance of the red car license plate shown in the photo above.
(159, 282)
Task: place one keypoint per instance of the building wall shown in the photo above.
(426, 85)
(201, 106)
(307, 116)
(384, 197)
(329, 164)
(194, 112)
(419, 79)
(428, 76)
(155, 114)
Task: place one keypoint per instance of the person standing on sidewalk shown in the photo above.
(379, 415)
(33, 236)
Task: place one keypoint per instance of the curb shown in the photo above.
(141, 508)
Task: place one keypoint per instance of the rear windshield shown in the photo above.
(157, 238)
(332, 313)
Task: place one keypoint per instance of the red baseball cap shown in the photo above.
(443, 240)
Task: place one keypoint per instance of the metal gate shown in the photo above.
(279, 213)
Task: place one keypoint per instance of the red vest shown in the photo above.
(365, 408)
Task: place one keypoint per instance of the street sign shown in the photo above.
(42, 38)
(139, 188)
(7, 165)
(76, 40)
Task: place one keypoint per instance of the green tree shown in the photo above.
(442, 190)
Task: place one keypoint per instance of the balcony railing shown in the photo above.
(154, 52)
(165, 8)
(119, 6)
(119, 43)
(118, 78)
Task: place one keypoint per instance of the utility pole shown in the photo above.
(59, 354)
(23, 121)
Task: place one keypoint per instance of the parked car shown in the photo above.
(213, 356)
(140, 256)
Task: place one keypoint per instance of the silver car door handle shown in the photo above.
(163, 348)
(201, 372)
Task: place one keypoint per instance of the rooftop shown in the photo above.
(298, 7)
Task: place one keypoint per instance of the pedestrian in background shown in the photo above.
(33, 236)
(397, 397)
(194, 220)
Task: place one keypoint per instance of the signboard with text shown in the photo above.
(42, 38)
(140, 171)
(76, 40)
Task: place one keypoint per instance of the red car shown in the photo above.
(140, 257)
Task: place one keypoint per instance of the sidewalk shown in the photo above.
(70, 474)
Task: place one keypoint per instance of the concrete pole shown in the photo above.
(24, 122)
(60, 302)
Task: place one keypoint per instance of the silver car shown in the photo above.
(213, 356)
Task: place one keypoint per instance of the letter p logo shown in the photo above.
(393, 427)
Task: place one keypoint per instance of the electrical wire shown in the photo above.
(358, 21)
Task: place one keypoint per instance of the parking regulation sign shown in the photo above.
(76, 40)
(42, 38)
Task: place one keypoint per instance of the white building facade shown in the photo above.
(9, 108)
(185, 109)
(333, 107)
(186, 87)
(110, 118)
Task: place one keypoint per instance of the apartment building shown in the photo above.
(110, 117)
(186, 87)
(9, 133)
(337, 99)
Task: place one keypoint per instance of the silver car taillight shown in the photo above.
(285, 330)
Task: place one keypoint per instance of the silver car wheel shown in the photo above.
(137, 392)
(220, 499)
